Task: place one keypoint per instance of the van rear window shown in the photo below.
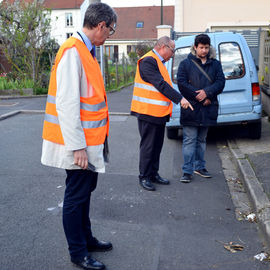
(180, 55)
(231, 60)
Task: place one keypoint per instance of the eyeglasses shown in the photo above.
(112, 30)
(172, 50)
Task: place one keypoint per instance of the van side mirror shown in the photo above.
(257, 68)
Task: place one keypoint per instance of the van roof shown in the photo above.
(190, 39)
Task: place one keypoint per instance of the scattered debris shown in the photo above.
(232, 247)
(55, 209)
(59, 186)
(263, 256)
(241, 216)
(251, 217)
(235, 181)
(60, 204)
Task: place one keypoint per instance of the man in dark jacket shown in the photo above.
(151, 104)
(200, 79)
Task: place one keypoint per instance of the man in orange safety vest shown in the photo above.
(152, 104)
(76, 127)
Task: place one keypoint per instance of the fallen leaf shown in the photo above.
(233, 247)
(229, 248)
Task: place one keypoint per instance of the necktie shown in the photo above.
(93, 52)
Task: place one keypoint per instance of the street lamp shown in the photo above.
(161, 12)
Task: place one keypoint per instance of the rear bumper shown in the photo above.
(241, 118)
(227, 119)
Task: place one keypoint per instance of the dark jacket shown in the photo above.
(150, 73)
(191, 79)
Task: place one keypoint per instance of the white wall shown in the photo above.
(197, 15)
(58, 23)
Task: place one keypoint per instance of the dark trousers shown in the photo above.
(76, 221)
(152, 137)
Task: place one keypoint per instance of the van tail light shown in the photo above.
(255, 91)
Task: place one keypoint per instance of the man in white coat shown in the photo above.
(76, 128)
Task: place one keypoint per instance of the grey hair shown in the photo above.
(163, 41)
(99, 12)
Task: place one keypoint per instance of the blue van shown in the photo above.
(240, 102)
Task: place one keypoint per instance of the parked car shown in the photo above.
(240, 102)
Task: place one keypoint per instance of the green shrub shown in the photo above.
(40, 90)
(6, 83)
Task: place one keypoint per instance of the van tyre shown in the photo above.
(255, 130)
(172, 133)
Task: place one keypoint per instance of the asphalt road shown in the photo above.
(178, 227)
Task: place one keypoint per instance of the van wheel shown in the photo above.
(172, 133)
(255, 130)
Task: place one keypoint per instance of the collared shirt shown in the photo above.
(87, 41)
(159, 56)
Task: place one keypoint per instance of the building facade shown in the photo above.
(65, 18)
(215, 15)
(136, 25)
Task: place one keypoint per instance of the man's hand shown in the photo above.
(207, 102)
(185, 104)
(201, 95)
(80, 158)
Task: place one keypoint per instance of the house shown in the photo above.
(134, 26)
(197, 15)
(65, 18)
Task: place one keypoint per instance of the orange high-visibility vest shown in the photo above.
(94, 110)
(146, 98)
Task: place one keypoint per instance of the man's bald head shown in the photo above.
(165, 47)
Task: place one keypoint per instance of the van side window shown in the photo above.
(231, 60)
(180, 55)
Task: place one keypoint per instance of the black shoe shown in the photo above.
(97, 245)
(159, 180)
(88, 263)
(186, 178)
(146, 184)
(203, 173)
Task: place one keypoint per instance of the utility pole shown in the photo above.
(161, 13)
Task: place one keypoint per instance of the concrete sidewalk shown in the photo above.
(252, 157)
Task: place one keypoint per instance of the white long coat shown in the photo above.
(71, 84)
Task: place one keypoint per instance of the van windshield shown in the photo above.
(180, 55)
(231, 60)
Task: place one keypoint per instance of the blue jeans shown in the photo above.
(194, 145)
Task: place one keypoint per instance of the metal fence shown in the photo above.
(118, 73)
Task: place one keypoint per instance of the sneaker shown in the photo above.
(186, 178)
(203, 173)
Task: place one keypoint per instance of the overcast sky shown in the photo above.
(136, 3)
